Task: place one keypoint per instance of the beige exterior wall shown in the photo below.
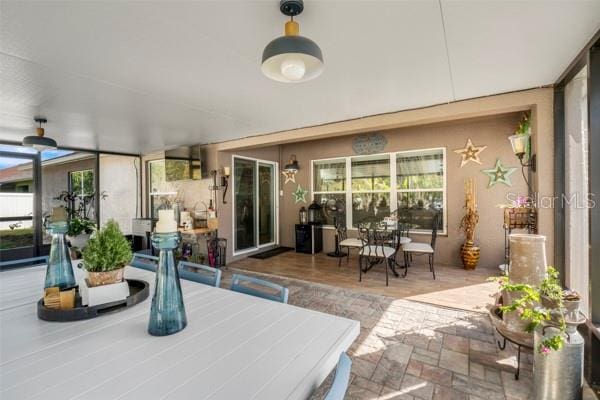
(489, 131)
(55, 180)
(487, 121)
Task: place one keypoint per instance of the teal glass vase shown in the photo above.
(60, 270)
(167, 313)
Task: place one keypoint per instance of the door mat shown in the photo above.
(271, 253)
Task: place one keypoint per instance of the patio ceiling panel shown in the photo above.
(141, 76)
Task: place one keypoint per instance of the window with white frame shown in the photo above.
(370, 189)
(420, 187)
(329, 189)
(366, 189)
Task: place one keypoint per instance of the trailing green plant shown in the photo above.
(524, 127)
(551, 287)
(77, 226)
(107, 249)
(529, 309)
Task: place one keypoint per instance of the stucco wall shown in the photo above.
(119, 182)
(489, 131)
(492, 117)
(55, 179)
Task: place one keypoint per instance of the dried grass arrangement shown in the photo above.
(469, 252)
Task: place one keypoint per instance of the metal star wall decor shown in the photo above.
(299, 195)
(499, 174)
(470, 153)
(290, 176)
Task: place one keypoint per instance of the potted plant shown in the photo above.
(106, 254)
(469, 252)
(79, 231)
(543, 305)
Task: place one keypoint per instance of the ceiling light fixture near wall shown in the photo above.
(292, 58)
(39, 141)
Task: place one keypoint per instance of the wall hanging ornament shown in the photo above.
(499, 174)
(470, 153)
(290, 176)
(299, 195)
(371, 143)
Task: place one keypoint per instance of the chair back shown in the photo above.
(342, 232)
(24, 261)
(199, 273)
(144, 261)
(403, 229)
(434, 229)
(259, 288)
(338, 388)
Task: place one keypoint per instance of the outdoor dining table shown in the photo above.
(235, 346)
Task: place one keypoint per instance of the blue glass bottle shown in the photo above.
(60, 270)
(167, 314)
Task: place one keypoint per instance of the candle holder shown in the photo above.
(167, 314)
(59, 272)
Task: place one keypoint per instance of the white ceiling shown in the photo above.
(140, 76)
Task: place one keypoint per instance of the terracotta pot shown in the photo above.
(470, 254)
(549, 303)
(105, 278)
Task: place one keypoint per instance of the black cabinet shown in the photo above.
(309, 238)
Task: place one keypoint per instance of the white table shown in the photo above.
(235, 347)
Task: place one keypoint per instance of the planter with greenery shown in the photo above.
(543, 306)
(80, 230)
(106, 254)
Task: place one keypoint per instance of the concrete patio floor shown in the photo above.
(453, 287)
(411, 350)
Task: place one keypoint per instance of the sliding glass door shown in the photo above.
(18, 216)
(254, 204)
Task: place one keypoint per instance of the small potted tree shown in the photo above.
(106, 254)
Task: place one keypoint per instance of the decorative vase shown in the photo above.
(105, 277)
(527, 258)
(470, 255)
(558, 375)
(572, 310)
(167, 314)
(527, 265)
(59, 272)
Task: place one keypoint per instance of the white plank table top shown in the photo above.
(234, 347)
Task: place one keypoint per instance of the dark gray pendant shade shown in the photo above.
(39, 142)
(292, 59)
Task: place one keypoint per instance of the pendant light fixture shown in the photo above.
(39, 142)
(292, 58)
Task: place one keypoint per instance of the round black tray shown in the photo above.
(138, 292)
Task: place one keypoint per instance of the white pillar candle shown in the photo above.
(166, 222)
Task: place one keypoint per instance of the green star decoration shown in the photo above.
(499, 174)
(300, 195)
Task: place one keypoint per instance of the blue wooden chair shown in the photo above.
(239, 283)
(24, 261)
(201, 273)
(144, 261)
(338, 388)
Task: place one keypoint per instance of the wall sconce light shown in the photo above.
(521, 145)
(224, 181)
(292, 166)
